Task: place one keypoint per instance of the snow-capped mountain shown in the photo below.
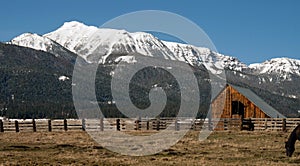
(283, 67)
(96, 44)
(34, 41)
(199, 55)
(38, 42)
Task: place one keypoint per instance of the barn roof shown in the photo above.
(259, 102)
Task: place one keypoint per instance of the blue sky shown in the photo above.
(251, 30)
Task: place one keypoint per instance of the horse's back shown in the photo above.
(297, 131)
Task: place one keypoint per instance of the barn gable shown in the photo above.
(259, 102)
(238, 102)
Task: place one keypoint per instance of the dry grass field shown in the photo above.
(77, 148)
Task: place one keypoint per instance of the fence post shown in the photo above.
(192, 124)
(17, 126)
(225, 125)
(101, 124)
(65, 125)
(1, 126)
(49, 125)
(176, 125)
(157, 124)
(83, 124)
(33, 125)
(118, 124)
(137, 124)
(241, 123)
(209, 124)
(266, 123)
(148, 123)
(251, 125)
(284, 125)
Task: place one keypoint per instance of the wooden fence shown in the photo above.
(126, 124)
(40, 125)
(275, 124)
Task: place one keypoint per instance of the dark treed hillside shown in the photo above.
(30, 86)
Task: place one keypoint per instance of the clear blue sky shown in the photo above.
(251, 30)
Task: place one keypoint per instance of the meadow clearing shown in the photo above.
(77, 148)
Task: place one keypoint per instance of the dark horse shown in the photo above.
(290, 144)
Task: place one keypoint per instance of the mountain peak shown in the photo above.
(282, 66)
(284, 60)
(75, 25)
(27, 35)
(34, 41)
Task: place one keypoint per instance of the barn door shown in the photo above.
(237, 108)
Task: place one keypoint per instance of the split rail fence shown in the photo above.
(123, 124)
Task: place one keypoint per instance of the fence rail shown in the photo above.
(126, 124)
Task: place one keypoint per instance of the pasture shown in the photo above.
(77, 148)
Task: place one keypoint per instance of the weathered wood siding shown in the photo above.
(222, 105)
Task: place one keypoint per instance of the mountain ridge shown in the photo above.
(86, 40)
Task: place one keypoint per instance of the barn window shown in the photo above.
(237, 108)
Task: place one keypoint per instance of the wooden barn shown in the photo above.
(238, 102)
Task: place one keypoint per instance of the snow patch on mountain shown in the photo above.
(127, 59)
(63, 78)
(292, 96)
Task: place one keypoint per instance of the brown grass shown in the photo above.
(77, 148)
